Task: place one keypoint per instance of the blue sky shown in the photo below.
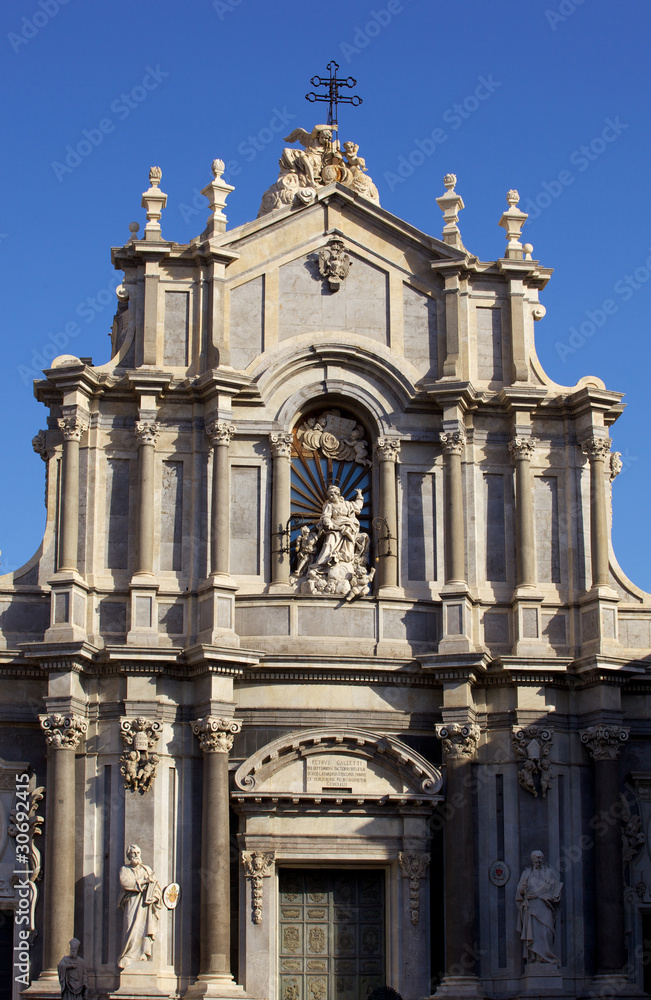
(562, 115)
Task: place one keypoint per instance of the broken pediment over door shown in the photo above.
(338, 763)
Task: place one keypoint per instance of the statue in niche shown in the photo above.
(319, 162)
(73, 978)
(538, 897)
(140, 899)
(340, 566)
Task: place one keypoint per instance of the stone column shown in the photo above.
(459, 746)
(453, 444)
(63, 734)
(522, 449)
(281, 451)
(72, 428)
(216, 740)
(220, 433)
(387, 450)
(598, 451)
(146, 433)
(603, 743)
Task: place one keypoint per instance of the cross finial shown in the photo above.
(333, 97)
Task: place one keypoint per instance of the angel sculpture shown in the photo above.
(318, 162)
(310, 160)
(334, 264)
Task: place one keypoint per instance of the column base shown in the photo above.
(217, 612)
(459, 986)
(598, 613)
(217, 987)
(614, 984)
(457, 620)
(46, 986)
(144, 613)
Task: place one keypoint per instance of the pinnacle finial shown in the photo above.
(451, 204)
(513, 220)
(216, 192)
(154, 201)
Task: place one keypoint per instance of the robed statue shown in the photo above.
(537, 897)
(73, 978)
(140, 899)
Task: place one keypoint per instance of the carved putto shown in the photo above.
(318, 162)
(532, 745)
(334, 264)
(137, 764)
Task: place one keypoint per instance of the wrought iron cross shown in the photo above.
(333, 97)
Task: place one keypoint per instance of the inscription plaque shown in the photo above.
(337, 772)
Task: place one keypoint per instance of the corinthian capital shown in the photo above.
(453, 442)
(72, 427)
(146, 431)
(596, 448)
(215, 735)
(281, 445)
(63, 732)
(387, 449)
(522, 447)
(459, 739)
(603, 742)
(220, 432)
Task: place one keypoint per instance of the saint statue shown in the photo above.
(339, 527)
(141, 899)
(73, 978)
(537, 897)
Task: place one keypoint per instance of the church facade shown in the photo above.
(325, 677)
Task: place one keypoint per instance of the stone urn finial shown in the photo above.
(155, 176)
(218, 168)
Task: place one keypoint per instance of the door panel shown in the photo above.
(331, 933)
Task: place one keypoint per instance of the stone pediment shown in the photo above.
(338, 763)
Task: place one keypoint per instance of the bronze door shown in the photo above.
(332, 936)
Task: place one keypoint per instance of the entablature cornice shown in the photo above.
(61, 657)
(591, 399)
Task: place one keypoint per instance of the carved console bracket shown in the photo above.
(258, 866)
(137, 764)
(414, 867)
(532, 745)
